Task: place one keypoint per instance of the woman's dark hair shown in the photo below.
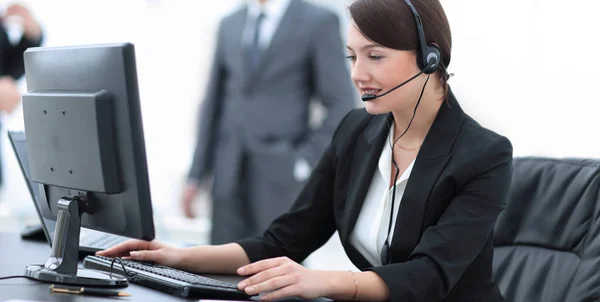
(390, 23)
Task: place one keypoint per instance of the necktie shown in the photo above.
(254, 51)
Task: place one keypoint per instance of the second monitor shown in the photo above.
(86, 150)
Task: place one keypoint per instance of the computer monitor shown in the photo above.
(86, 151)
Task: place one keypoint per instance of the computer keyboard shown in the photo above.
(170, 280)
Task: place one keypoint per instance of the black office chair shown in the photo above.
(547, 240)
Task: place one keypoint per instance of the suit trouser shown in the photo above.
(256, 204)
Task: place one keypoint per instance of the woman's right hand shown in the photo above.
(151, 251)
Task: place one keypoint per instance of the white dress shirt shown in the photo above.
(371, 228)
(273, 13)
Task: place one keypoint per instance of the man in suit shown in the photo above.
(11, 55)
(254, 136)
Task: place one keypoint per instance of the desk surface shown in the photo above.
(17, 253)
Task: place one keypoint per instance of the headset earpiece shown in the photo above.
(428, 56)
(430, 59)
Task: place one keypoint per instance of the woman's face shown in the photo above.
(377, 69)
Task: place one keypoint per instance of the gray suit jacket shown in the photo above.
(265, 112)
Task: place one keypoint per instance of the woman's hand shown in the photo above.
(284, 278)
(152, 251)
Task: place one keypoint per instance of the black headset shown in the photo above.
(428, 60)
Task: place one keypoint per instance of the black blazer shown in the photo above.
(442, 244)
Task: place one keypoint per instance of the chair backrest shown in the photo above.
(547, 240)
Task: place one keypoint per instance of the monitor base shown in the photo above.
(62, 265)
(84, 277)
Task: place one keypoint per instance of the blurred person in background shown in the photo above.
(254, 138)
(11, 53)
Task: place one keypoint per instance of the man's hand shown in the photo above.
(187, 199)
(31, 27)
(9, 94)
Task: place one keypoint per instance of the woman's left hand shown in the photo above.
(284, 277)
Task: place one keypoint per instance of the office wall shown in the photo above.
(525, 68)
(528, 69)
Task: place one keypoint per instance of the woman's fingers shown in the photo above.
(259, 266)
(263, 276)
(271, 284)
(124, 249)
(149, 256)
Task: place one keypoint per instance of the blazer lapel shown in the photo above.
(430, 162)
(364, 162)
(287, 24)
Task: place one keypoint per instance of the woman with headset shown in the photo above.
(411, 182)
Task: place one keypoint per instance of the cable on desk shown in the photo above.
(21, 276)
(14, 277)
(128, 275)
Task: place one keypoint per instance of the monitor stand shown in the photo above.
(61, 266)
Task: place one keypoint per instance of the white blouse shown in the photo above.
(371, 228)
